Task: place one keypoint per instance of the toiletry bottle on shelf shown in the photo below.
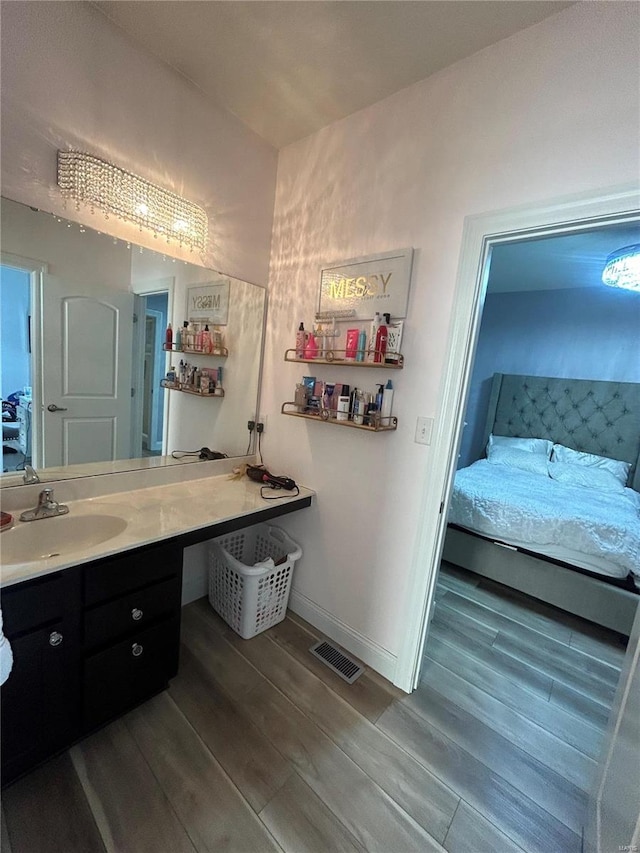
(311, 346)
(375, 325)
(387, 400)
(168, 337)
(207, 344)
(362, 345)
(379, 395)
(342, 411)
(219, 380)
(300, 341)
(381, 342)
(217, 339)
(359, 408)
(351, 348)
(177, 340)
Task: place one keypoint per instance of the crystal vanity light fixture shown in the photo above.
(622, 268)
(97, 183)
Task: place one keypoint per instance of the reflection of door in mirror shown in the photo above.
(156, 313)
(15, 366)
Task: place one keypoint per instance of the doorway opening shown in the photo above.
(16, 367)
(155, 319)
(480, 235)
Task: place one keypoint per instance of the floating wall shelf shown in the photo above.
(176, 386)
(327, 417)
(220, 352)
(336, 357)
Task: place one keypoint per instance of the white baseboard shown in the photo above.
(351, 641)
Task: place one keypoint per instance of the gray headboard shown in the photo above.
(585, 414)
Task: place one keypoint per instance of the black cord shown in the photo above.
(178, 454)
(277, 497)
(248, 446)
(260, 447)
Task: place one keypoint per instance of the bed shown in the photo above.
(575, 548)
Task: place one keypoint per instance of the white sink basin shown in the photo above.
(29, 541)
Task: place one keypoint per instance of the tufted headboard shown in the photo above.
(585, 414)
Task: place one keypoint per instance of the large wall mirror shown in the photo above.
(83, 319)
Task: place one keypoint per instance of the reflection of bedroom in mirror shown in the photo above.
(84, 319)
(543, 529)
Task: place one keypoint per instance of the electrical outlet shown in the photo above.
(424, 428)
(262, 419)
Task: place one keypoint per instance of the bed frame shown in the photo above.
(588, 415)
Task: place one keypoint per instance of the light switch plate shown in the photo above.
(424, 428)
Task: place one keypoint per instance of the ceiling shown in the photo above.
(287, 68)
(554, 263)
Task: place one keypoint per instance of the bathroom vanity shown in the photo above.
(96, 630)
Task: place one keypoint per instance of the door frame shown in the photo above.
(37, 270)
(158, 374)
(480, 233)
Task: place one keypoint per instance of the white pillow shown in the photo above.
(620, 470)
(588, 477)
(531, 445)
(524, 460)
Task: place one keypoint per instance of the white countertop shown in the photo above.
(152, 514)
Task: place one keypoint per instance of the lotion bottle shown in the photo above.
(342, 412)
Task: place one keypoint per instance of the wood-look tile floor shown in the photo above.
(258, 747)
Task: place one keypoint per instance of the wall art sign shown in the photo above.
(209, 303)
(366, 285)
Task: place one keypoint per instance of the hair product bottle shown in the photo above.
(387, 400)
(375, 325)
(311, 346)
(342, 411)
(351, 348)
(381, 342)
(362, 345)
(168, 337)
(300, 341)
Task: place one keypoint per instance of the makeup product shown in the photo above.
(300, 341)
(381, 342)
(168, 337)
(342, 409)
(394, 339)
(387, 400)
(351, 349)
(362, 345)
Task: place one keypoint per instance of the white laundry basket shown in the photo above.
(250, 573)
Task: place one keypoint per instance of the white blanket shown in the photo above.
(6, 655)
(541, 514)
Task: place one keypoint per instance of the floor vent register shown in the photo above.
(336, 660)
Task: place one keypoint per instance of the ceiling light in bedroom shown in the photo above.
(622, 268)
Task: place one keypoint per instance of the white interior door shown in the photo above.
(614, 808)
(85, 374)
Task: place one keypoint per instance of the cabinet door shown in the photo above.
(39, 699)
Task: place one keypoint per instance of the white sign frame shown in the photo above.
(209, 303)
(368, 284)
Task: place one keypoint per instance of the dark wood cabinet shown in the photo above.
(89, 643)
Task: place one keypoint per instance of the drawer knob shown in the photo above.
(136, 650)
(55, 638)
(136, 614)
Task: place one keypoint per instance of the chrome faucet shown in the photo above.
(47, 507)
(30, 476)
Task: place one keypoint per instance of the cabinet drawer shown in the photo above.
(131, 613)
(127, 572)
(28, 605)
(120, 677)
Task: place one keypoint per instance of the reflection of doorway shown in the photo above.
(15, 366)
(152, 403)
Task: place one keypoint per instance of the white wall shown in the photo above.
(548, 112)
(70, 78)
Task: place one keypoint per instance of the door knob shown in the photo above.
(53, 408)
